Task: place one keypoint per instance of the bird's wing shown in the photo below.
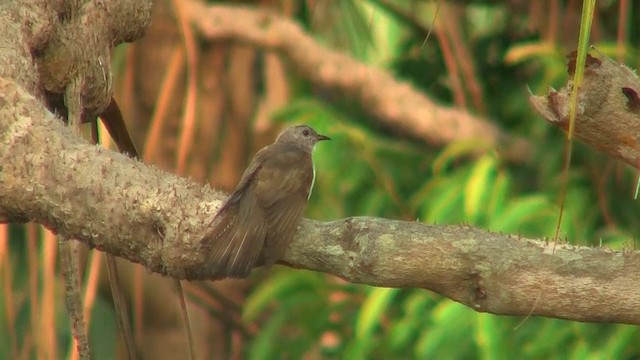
(247, 179)
(287, 172)
(282, 188)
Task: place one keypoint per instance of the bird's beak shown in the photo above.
(323, 137)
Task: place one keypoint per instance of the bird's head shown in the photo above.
(302, 135)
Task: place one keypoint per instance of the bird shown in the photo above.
(257, 222)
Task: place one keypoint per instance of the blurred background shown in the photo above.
(201, 107)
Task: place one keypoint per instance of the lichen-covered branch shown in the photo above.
(496, 273)
(397, 104)
(107, 200)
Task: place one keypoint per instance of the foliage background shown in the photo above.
(479, 56)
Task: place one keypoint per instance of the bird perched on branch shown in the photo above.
(257, 222)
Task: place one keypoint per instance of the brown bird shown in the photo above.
(257, 222)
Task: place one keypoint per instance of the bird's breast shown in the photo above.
(313, 180)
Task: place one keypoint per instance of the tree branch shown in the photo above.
(396, 104)
(147, 216)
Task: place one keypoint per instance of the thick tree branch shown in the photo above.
(489, 272)
(396, 104)
(140, 213)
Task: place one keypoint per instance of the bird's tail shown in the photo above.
(236, 240)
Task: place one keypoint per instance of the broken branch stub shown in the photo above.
(608, 109)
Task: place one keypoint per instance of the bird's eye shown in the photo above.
(305, 132)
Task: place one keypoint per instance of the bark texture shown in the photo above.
(140, 213)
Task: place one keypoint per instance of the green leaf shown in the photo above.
(586, 19)
(621, 343)
(524, 211)
(449, 333)
(372, 310)
(499, 195)
(404, 332)
(444, 205)
(265, 344)
(455, 151)
(488, 338)
(279, 286)
(477, 188)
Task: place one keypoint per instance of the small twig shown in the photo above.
(69, 264)
(185, 318)
(207, 301)
(68, 247)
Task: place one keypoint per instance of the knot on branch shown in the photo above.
(70, 43)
